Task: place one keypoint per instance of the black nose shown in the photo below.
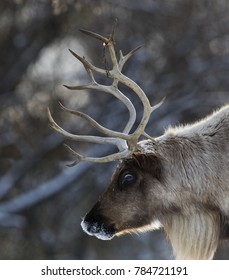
(93, 222)
(92, 226)
(98, 225)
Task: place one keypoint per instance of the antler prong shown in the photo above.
(153, 108)
(87, 65)
(124, 58)
(80, 87)
(118, 142)
(95, 35)
(95, 124)
(113, 30)
(76, 155)
(109, 158)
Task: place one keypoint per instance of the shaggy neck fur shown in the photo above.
(195, 236)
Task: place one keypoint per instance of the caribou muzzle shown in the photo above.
(98, 225)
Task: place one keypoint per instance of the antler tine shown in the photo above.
(78, 87)
(87, 65)
(124, 58)
(119, 143)
(76, 155)
(80, 158)
(96, 124)
(95, 35)
(100, 37)
(113, 30)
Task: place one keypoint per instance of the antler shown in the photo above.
(124, 141)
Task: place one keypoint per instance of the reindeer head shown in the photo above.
(126, 206)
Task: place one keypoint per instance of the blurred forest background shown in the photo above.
(185, 58)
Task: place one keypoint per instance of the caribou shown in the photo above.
(178, 181)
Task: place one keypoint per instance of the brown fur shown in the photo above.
(179, 181)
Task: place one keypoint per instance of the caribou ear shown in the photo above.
(150, 163)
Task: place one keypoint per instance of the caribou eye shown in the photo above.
(126, 178)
